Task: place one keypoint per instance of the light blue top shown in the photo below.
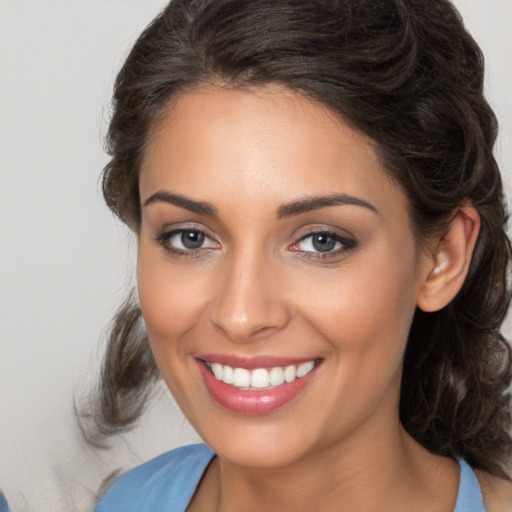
(469, 498)
(168, 482)
(4, 507)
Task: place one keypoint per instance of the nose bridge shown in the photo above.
(247, 302)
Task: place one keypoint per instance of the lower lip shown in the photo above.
(253, 402)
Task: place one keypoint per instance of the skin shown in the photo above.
(258, 287)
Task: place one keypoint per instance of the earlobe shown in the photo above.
(447, 266)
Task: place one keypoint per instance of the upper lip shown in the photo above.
(253, 362)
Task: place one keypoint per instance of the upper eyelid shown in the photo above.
(169, 233)
(180, 227)
(312, 230)
(338, 238)
(345, 236)
(326, 232)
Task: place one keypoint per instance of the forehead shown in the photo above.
(265, 145)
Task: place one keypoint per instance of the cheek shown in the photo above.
(365, 318)
(170, 306)
(365, 308)
(169, 299)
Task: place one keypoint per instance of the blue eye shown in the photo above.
(191, 239)
(323, 244)
(186, 241)
(319, 242)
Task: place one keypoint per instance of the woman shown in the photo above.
(322, 262)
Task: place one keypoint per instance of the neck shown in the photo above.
(315, 482)
(376, 467)
(394, 473)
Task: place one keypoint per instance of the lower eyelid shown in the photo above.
(326, 256)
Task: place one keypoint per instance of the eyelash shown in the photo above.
(347, 245)
(164, 240)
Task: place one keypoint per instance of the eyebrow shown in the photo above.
(309, 204)
(200, 207)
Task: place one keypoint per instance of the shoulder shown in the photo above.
(497, 492)
(4, 507)
(170, 478)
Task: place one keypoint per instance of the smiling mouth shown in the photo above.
(260, 379)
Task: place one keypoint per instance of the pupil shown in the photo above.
(192, 239)
(323, 242)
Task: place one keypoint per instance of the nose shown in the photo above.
(250, 300)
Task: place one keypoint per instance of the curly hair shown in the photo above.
(408, 75)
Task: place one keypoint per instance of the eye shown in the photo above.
(180, 241)
(322, 244)
(319, 242)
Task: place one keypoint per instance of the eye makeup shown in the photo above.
(315, 245)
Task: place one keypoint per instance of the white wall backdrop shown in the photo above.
(64, 263)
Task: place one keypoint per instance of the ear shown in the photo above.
(446, 266)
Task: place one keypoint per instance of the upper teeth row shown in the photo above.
(261, 377)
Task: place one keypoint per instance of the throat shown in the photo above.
(324, 484)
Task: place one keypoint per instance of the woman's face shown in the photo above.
(275, 252)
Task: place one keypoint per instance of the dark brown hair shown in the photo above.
(408, 75)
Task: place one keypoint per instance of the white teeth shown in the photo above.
(241, 378)
(217, 370)
(305, 368)
(260, 378)
(290, 373)
(228, 375)
(276, 376)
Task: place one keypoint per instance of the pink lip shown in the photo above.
(253, 362)
(258, 401)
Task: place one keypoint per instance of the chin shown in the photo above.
(259, 452)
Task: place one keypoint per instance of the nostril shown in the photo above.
(263, 330)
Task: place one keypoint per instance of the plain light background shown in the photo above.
(65, 264)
